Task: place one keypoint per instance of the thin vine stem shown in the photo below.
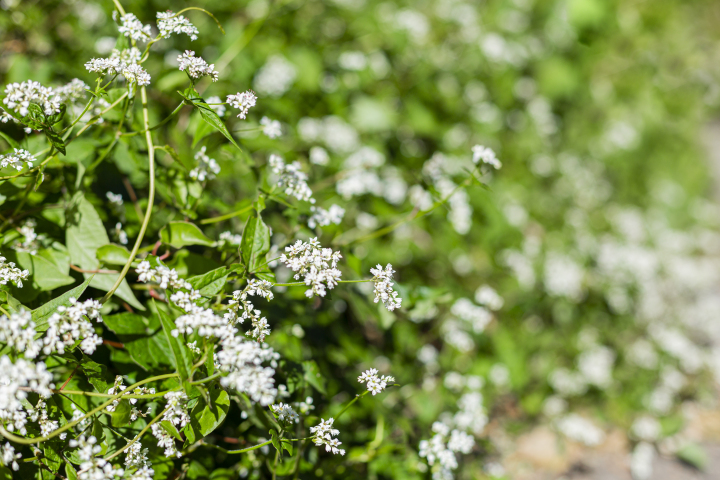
(151, 196)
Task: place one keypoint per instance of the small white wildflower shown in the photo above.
(291, 179)
(228, 238)
(275, 77)
(165, 440)
(207, 169)
(243, 102)
(322, 218)
(133, 28)
(31, 240)
(374, 383)
(487, 296)
(271, 128)
(319, 156)
(17, 159)
(120, 234)
(177, 405)
(19, 96)
(169, 22)
(69, 324)
(162, 275)
(285, 413)
(92, 466)
(10, 273)
(204, 321)
(383, 287)
(196, 67)
(323, 435)
(317, 265)
(194, 348)
(487, 155)
(9, 458)
(242, 361)
(135, 74)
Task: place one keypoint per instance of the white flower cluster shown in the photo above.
(271, 128)
(196, 67)
(324, 434)
(177, 415)
(205, 322)
(441, 448)
(317, 265)
(8, 457)
(13, 377)
(384, 287)
(119, 234)
(217, 105)
(76, 89)
(132, 27)
(241, 309)
(18, 332)
(19, 96)
(242, 101)
(162, 275)
(30, 242)
(123, 63)
(17, 159)
(486, 155)
(322, 218)
(285, 413)
(93, 467)
(487, 296)
(165, 440)
(207, 169)
(242, 361)
(291, 179)
(275, 77)
(10, 273)
(169, 22)
(137, 458)
(580, 429)
(374, 383)
(69, 324)
(39, 414)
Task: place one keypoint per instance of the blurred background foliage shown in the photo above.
(593, 107)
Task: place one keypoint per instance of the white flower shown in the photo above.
(136, 456)
(135, 74)
(641, 462)
(69, 325)
(114, 198)
(9, 458)
(123, 62)
(260, 287)
(323, 218)
(207, 169)
(169, 23)
(10, 273)
(243, 102)
(383, 287)
(161, 274)
(17, 159)
(476, 317)
(580, 429)
(275, 77)
(646, 428)
(271, 128)
(18, 332)
(324, 434)
(120, 234)
(216, 104)
(374, 383)
(291, 179)
(165, 440)
(93, 467)
(13, 377)
(30, 242)
(204, 321)
(242, 361)
(75, 90)
(487, 296)
(317, 265)
(285, 413)
(194, 348)
(241, 309)
(19, 96)
(177, 413)
(487, 155)
(133, 28)
(319, 156)
(460, 442)
(196, 67)
(228, 238)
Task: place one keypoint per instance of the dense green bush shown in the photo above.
(574, 286)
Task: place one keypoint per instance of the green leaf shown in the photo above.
(287, 445)
(70, 472)
(276, 442)
(206, 418)
(207, 113)
(55, 140)
(210, 283)
(181, 234)
(178, 351)
(112, 254)
(170, 428)
(313, 376)
(255, 242)
(142, 338)
(96, 374)
(85, 234)
(121, 416)
(41, 314)
(45, 275)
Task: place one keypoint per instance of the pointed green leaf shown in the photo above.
(55, 140)
(170, 428)
(41, 314)
(96, 374)
(112, 254)
(207, 113)
(181, 234)
(45, 275)
(276, 442)
(142, 338)
(121, 416)
(255, 242)
(205, 418)
(178, 350)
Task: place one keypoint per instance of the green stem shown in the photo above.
(139, 435)
(206, 379)
(357, 397)
(151, 196)
(163, 122)
(87, 107)
(255, 447)
(227, 216)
